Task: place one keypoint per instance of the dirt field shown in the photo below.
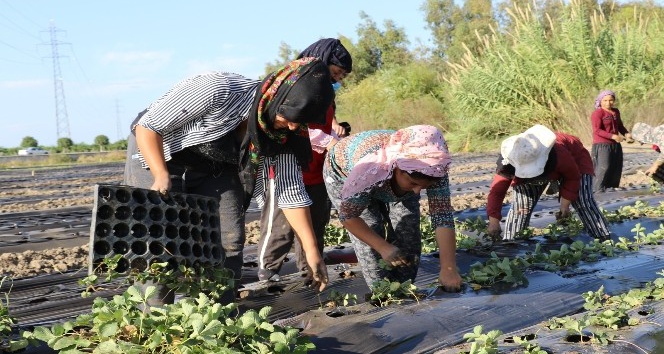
(42, 190)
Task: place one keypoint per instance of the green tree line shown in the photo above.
(496, 68)
(65, 145)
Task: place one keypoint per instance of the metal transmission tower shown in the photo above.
(62, 121)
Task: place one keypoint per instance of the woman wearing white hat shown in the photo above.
(531, 160)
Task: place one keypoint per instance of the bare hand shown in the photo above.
(394, 257)
(162, 185)
(617, 138)
(449, 279)
(340, 130)
(651, 171)
(318, 272)
(494, 230)
(562, 216)
(629, 138)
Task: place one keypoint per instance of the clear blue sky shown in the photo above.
(116, 57)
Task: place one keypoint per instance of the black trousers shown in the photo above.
(608, 164)
(277, 236)
(222, 184)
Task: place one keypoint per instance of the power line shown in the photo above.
(19, 28)
(17, 49)
(8, 22)
(20, 13)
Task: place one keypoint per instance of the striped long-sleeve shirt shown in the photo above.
(289, 186)
(200, 109)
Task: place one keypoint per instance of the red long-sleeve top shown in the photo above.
(572, 160)
(314, 175)
(605, 124)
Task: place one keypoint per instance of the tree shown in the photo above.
(441, 17)
(29, 141)
(286, 55)
(65, 144)
(378, 49)
(457, 29)
(102, 141)
(119, 145)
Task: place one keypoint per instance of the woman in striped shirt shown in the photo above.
(194, 137)
(374, 179)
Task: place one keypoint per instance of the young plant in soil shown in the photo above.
(482, 343)
(335, 235)
(607, 314)
(212, 281)
(126, 324)
(496, 270)
(195, 324)
(528, 346)
(385, 292)
(7, 342)
(337, 299)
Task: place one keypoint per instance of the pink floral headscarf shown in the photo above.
(419, 148)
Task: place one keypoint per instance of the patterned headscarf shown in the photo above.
(301, 93)
(331, 52)
(598, 100)
(419, 148)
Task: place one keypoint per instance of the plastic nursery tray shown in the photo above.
(145, 227)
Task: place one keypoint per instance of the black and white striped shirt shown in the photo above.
(205, 107)
(200, 109)
(289, 187)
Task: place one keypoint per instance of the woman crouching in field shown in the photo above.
(374, 180)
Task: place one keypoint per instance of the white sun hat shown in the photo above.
(528, 151)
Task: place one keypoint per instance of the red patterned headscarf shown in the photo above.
(301, 93)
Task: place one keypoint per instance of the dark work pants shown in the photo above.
(277, 236)
(608, 164)
(224, 186)
(397, 222)
(134, 173)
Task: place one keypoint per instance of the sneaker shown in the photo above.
(268, 275)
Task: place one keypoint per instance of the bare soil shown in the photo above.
(30, 263)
